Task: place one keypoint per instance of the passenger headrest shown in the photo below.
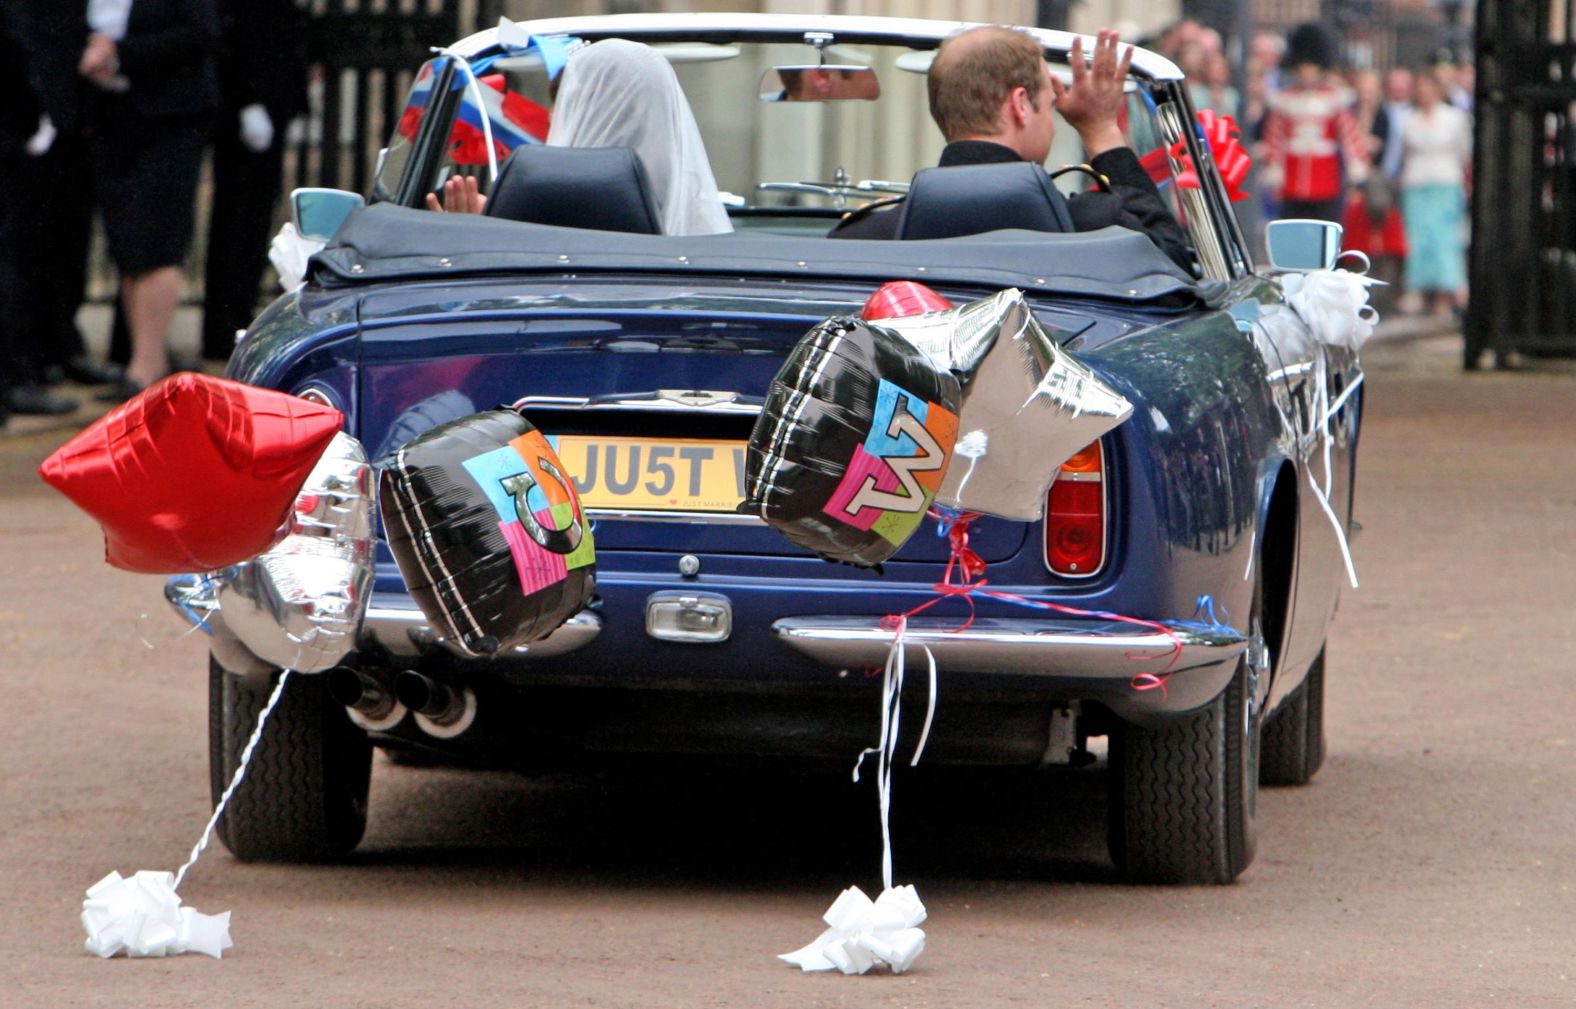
(601, 188)
(974, 199)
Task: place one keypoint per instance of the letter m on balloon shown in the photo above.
(893, 476)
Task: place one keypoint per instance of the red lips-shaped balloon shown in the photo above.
(194, 473)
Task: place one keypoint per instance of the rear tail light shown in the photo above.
(1075, 515)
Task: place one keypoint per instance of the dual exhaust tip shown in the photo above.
(441, 711)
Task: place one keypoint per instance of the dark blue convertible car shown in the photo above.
(1215, 516)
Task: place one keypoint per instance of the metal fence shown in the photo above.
(1523, 259)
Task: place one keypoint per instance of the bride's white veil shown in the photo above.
(617, 93)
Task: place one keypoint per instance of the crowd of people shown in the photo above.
(119, 102)
(1388, 156)
(111, 108)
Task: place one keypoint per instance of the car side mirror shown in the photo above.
(1303, 244)
(318, 213)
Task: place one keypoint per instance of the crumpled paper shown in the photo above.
(863, 933)
(142, 916)
(1334, 304)
(289, 252)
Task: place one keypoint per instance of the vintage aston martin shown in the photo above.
(1217, 514)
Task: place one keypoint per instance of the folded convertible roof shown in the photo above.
(385, 243)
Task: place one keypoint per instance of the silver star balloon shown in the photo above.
(1028, 406)
(300, 605)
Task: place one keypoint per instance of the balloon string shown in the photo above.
(235, 781)
(886, 748)
(963, 578)
(475, 92)
(1326, 410)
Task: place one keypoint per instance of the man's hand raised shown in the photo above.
(1094, 101)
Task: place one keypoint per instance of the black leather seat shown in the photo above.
(973, 199)
(601, 188)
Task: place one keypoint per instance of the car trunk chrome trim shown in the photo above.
(1077, 649)
(655, 401)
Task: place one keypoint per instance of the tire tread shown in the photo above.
(304, 795)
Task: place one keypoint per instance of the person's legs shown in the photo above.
(245, 189)
(59, 256)
(151, 298)
(147, 180)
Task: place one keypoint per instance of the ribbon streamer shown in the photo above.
(1325, 411)
(142, 916)
(862, 933)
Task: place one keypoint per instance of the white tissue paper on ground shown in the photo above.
(863, 933)
(289, 252)
(1334, 304)
(142, 916)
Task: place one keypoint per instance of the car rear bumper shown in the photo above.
(1118, 662)
(1142, 672)
(398, 626)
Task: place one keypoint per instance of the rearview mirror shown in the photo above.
(318, 213)
(820, 83)
(1303, 244)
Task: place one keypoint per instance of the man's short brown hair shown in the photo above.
(974, 72)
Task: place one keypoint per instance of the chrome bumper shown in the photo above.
(404, 630)
(1094, 650)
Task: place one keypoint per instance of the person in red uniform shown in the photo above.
(1315, 150)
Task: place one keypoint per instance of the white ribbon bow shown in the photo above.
(289, 251)
(1334, 304)
(862, 933)
(142, 916)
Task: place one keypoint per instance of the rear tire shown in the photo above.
(1294, 733)
(1184, 796)
(304, 797)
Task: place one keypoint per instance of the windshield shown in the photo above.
(786, 166)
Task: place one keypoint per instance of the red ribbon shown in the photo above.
(963, 579)
(1225, 145)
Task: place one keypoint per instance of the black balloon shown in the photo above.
(852, 443)
(488, 532)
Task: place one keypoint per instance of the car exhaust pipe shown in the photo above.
(441, 711)
(367, 700)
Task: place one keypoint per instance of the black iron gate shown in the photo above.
(363, 54)
(1523, 260)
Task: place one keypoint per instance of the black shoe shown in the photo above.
(51, 374)
(86, 371)
(36, 401)
(120, 391)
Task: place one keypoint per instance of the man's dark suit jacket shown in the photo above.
(264, 57)
(1133, 201)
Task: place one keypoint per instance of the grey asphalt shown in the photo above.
(1430, 864)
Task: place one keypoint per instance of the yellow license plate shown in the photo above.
(656, 474)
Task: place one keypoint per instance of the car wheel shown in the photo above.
(1293, 748)
(1184, 796)
(304, 797)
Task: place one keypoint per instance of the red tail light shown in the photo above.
(897, 299)
(1075, 515)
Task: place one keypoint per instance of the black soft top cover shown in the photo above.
(385, 243)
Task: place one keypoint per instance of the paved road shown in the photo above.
(1429, 865)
